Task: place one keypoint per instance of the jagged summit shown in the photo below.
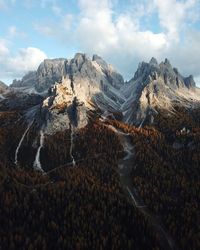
(3, 90)
(48, 72)
(73, 84)
(100, 61)
(167, 63)
(156, 86)
(153, 61)
(147, 72)
(93, 81)
(52, 70)
(3, 86)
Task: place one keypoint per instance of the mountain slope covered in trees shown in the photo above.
(89, 161)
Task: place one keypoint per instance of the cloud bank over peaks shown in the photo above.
(15, 66)
(123, 40)
(124, 33)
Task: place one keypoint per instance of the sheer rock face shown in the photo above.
(189, 82)
(27, 81)
(83, 81)
(3, 90)
(3, 87)
(95, 80)
(156, 86)
(61, 80)
(72, 85)
(63, 109)
(147, 72)
(49, 71)
(80, 67)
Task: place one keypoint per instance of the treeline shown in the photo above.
(81, 207)
(168, 178)
(84, 207)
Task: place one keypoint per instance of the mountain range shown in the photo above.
(91, 161)
(83, 84)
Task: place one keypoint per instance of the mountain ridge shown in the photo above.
(112, 155)
(154, 86)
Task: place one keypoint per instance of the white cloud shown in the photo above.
(26, 60)
(174, 14)
(120, 41)
(197, 80)
(3, 48)
(120, 38)
(186, 55)
(119, 35)
(15, 66)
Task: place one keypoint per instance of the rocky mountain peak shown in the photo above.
(49, 71)
(96, 57)
(80, 81)
(3, 85)
(71, 86)
(156, 86)
(63, 108)
(3, 89)
(95, 72)
(153, 62)
(100, 62)
(167, 63)
(79, 59)
(152, 71)
(189, 82)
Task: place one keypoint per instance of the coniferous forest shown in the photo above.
(86, 206)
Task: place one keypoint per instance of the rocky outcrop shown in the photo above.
(49, 71)
(3, 90)
(27, 81)
(156, 86)
(189, 82)
(89, 80)
(81, 67)
(62, 108)
(151, 71)
(3, 86)
(95, 80)
(82, 81)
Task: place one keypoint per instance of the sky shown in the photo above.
(123, 32)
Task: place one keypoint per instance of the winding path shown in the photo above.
(125, 168)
